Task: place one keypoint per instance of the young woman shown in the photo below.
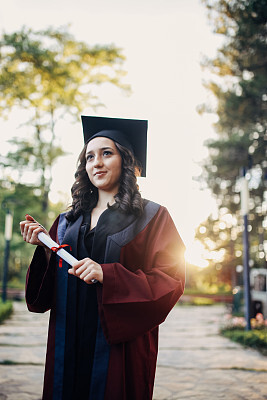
(105, 311)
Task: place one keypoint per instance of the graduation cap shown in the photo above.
(130, 133)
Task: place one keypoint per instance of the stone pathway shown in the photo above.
(194, 362)
(22, 354)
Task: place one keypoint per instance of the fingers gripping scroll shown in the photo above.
(87, 270)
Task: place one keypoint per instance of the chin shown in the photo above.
(104, 188)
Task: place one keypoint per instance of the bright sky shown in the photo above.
(163, 41)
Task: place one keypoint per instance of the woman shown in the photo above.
(103, 337)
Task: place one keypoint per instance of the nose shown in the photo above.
(98, 161)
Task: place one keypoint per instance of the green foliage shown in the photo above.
(48, 75)
(202, 283)
(202, 301)
(197, 301)
(239, 89)
(234, 328)
(50, 70)
(256, 338)
(240, 97)
(19, 198)
(221, 236)
(6, 310)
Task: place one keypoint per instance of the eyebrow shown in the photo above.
(102, 148)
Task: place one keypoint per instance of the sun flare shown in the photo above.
(195, 254)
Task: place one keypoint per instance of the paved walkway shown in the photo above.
(194, 361)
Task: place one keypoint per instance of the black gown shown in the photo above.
(86, 324)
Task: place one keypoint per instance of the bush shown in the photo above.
(209, 289)
(256, 338)
(232, 322)
(6, 310)
(234, 328)
(196, 301)
(202, 301)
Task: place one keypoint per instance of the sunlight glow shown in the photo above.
(166, 90)
(194, 254)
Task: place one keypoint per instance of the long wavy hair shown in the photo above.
(85, 194)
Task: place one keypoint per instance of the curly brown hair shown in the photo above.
(85, 194)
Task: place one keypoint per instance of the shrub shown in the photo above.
(234, 322)
(196, 301)
(234, 328)
(256, 338)
(6, 310)
(202, 301)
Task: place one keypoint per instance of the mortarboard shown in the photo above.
(130, 133)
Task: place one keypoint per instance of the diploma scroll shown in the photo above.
(61, 252)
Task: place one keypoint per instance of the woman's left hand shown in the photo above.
(87, 270)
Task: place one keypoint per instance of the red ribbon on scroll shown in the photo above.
(55, 249)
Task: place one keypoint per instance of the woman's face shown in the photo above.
(103, 164)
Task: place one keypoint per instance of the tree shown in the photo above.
(239, 87)
(221, 238)
(50, 74)
(17, 198)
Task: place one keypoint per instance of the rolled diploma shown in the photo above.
(61, 252)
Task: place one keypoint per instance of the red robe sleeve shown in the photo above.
(39, 290)
(138, 293)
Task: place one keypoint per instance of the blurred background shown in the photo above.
(195, 69)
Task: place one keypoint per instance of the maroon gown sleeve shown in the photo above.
(40, 278)
(138, 293)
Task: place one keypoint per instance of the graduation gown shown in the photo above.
(143, 277)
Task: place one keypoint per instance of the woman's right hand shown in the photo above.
(30, 229)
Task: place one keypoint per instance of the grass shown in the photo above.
(256, 338)
(6, 310)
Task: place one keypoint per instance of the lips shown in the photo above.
(100, 173)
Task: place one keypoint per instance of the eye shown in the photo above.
(89, 157)
(107, 153)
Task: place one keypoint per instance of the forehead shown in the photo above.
(100, 142)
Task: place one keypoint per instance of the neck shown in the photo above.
(104, 198)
